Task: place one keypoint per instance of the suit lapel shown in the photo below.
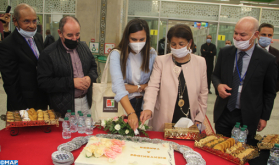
(230, 65)
(251, 67)
(25, 47)
(40, 49)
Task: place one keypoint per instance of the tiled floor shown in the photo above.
(272, 124)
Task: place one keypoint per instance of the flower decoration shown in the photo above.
(119, 125)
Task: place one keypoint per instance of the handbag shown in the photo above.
(104, 106)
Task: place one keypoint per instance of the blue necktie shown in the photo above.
(236, 82)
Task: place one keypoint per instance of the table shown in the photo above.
(33, 146)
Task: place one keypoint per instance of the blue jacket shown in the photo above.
(118, 83)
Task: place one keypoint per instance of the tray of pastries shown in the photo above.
(190, 133)
(267, 142)
(31, 117)
(227, 148)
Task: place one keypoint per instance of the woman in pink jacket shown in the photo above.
(178, 84)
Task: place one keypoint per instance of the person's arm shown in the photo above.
(151, 92)
(269, 91)
(118, 87)
(7, 18)
(10, 75)
(204, 52)
(216, 78)
(46, 77)
(93, 74)
(214, 50)
(202, 99)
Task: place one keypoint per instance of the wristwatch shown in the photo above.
(139, 88)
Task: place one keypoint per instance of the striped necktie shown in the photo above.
(33, 47)
(236, 82)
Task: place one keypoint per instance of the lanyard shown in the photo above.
(240, 79)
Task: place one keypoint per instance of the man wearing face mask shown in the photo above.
(67, 69)
(208, 51)
(264, 40)
(245, 76)
(19, 53)
(228, 43)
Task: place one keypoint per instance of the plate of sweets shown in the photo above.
(30, 117)
(227, 148)
(267, 142)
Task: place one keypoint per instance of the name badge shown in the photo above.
(239, 88)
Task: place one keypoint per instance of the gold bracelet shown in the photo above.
(130, 113)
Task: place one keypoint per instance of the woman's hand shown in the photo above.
(145, 115)
(197, 122)
(133, 121)
(131, 88)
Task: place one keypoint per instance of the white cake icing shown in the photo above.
(133, 154)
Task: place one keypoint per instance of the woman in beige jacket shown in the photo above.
(178, 84)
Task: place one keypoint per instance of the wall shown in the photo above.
(88, 13)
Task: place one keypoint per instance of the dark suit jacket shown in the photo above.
(258, 92)
(18, 66)
(275, 52)
(49, 40)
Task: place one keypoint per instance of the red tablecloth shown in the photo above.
(33, 146)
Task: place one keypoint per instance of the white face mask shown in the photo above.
(27, 34)
(179, 53)
(242, 45)
(136, 46)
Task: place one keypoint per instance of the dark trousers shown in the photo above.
(136, 104)
(209, 69)
(227, 120)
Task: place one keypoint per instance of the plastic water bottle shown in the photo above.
(242, 136)
(81, 124)
(246, 130)
(235, 132)
(73, 122)
(274, 155)
(66, 134)
(68, 114)
(88, 125)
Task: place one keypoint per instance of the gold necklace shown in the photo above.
(181, 102)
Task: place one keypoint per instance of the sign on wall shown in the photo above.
(94, 47)
(109, 47)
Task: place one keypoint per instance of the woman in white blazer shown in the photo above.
(178, 83)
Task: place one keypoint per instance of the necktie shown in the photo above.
(33, 47)
(236, 82)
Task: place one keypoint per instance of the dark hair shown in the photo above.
(64, 20)
(266, 25)
(181, 31)
(48, 31)
(134, 26)
(20, 7)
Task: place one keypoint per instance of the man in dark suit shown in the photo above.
(245, 76)
(208, 51)
(19, 53)
(264, 40)
(49, 39)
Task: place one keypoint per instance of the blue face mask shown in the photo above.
(27, 34)
(208, 40)
(264, 41)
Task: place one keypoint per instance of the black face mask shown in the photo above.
(71, 44)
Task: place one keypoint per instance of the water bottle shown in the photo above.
(66, 134)
(88, 125)
(274, 155)
(73, 122)
(68, 114)
(235, 132)
(246, 130)
(242, 136)
(81, 124)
